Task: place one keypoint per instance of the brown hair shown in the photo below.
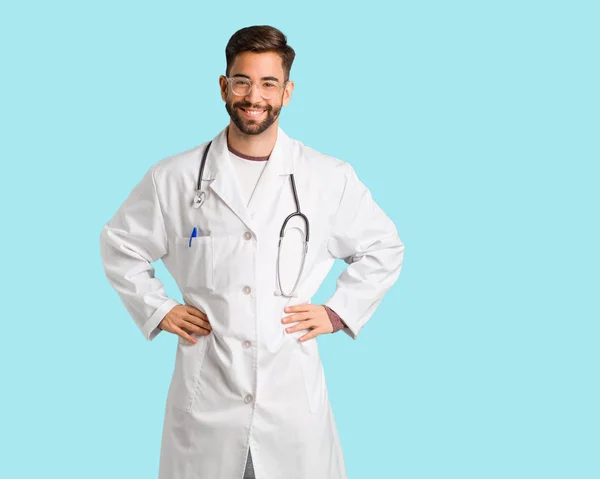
(260, 38)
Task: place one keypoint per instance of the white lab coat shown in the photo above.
(249, 382)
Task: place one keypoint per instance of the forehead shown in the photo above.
(258, 65)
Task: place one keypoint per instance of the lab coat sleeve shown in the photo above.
(133, 239)
(367, 239)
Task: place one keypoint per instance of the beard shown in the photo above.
(248, 125)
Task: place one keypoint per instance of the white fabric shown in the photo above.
(249, 383)
(248, 173)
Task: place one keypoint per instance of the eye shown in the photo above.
(269, 84)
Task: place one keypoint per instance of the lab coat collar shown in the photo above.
(219, 168)
(218, 159)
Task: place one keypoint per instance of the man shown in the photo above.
(248, 396)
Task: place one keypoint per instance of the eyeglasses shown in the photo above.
(267, 88)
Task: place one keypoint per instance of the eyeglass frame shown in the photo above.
(230, 79)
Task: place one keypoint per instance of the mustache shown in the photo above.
(249, 105)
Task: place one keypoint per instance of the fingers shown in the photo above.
(182, 334)
(311, 317)
(185, 330)
(314, 333)
(298, 308)
(197, 317)
(303, 325)
(197, 322)
(204, 328)
(195, 312)
(298, 317)
(184, 321)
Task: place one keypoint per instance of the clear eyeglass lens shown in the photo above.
(242, 87)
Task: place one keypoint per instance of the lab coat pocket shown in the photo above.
(314, 376)
(195, 263)
(188, 367)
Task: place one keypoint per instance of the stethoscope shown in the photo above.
(201, 196)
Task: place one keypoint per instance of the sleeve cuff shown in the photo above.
(336, 321)
(150, 329)
(351, 326)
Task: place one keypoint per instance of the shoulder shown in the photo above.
(175, 166)
(333, 171)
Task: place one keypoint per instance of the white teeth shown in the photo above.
(254, 112)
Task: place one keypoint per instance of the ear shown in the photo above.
(287, 93)
(223, 87)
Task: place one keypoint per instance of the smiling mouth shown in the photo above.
(252, 113)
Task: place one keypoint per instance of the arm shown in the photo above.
(133, 239)
(365, 238)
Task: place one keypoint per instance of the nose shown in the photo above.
(254, 96)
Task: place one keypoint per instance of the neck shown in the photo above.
(252, 145)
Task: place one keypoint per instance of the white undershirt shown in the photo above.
(248, 173)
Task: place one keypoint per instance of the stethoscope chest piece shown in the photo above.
(199, 199)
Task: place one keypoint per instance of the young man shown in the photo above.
(248, 396)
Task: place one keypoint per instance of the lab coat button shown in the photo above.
(246, 344)
(248, 398)
(246, 290)
(247, 235)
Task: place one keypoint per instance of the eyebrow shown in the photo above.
(263, 78)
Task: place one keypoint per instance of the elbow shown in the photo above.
(400, 250)
(104, 243)
(399, 257)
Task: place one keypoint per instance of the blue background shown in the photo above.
(474, 124)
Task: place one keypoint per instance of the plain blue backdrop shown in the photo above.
(475, 125)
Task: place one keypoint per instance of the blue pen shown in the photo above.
(194, 234)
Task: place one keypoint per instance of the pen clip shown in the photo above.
(193, 235)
